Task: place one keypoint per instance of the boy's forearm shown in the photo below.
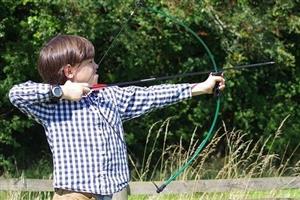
(198, 89)
(30, 93)
(33, 99)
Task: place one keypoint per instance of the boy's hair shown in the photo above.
(60, 51)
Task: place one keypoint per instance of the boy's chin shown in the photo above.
(95, 79)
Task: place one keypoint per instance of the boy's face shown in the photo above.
(86, 72)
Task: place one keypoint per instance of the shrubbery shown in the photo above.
(150, 45)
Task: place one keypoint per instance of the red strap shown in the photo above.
(98, 86)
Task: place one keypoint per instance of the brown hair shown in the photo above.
(60, 51)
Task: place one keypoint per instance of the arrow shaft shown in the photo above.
(147, 80)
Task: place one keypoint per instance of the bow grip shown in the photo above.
(216, 89)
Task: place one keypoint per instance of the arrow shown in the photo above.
(128, 83)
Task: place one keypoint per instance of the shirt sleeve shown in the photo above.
(134, 101)
(33, 99)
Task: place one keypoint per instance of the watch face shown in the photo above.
(57, 92)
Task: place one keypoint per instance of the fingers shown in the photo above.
(84, 87)
(221, 87)
(83, 84)
(221, 83)
(75, 91)
(85, 90)
(218, 80)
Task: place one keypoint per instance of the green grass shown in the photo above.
(11, 195)
(291, 194)
(243, 159)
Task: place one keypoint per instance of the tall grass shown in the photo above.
(30, 173)
(244, 158)
(12, 195)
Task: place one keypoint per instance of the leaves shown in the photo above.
(237, 32)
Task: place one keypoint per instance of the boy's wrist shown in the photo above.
(56, 92)
(198, 89)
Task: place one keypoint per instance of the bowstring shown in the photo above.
(117, 35)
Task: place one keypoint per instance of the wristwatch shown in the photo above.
(56, 92)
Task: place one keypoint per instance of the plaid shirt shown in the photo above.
(86, 136)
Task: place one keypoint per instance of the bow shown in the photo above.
(210, 133)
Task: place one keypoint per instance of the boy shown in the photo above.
(83, 127)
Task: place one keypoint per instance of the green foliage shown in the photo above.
(237, 32)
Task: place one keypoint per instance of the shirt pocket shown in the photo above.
(109, 112)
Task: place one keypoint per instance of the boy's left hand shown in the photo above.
(208, 85)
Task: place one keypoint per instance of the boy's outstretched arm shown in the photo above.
(135, 101)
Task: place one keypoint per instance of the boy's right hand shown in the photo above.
(74, 91)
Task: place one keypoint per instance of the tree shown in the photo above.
(151, 45)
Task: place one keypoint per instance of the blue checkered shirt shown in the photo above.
(86, 137)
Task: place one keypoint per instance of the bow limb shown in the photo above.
(210, 133)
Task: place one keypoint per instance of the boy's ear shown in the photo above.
(68, 71)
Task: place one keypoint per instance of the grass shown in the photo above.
(243, 159)
(238, 195)
(26, 195)
(290, 194)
